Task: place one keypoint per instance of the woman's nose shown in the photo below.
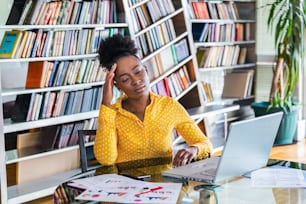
(136, 81)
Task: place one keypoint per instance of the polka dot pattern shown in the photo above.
(122, 137)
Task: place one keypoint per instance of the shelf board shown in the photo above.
(208, 110)
(219, 100)
(170, 71)
(14, 156)
(34, 59)
(160, 21)
(210, 44)
(222, 21)
(138, 4)
(39, 188)
(184, 92)
(178, 38)
(63, 26)
(10, 126)
(73, 87)
(238, 66)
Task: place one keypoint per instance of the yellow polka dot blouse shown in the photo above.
(122, 137)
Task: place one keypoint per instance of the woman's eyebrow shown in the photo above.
(135, 67)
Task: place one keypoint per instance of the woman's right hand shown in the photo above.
(108, 86)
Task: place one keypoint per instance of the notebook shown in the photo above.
(247, 148)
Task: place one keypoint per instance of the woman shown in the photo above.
(140, 124)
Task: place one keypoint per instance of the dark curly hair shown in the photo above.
(112, 48)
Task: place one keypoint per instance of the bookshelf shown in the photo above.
(159, 28)
(168, 51)
(63, 46)
(224, 40)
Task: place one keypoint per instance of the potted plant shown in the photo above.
(287, 19)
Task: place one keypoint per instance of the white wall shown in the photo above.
(265, 40)
(5, 7)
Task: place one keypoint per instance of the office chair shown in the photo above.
(87, 157)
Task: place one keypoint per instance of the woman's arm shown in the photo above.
(199, 145)
(105, 145)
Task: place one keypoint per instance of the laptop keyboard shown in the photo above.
(209, 172)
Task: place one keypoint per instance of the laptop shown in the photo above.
(247, 148)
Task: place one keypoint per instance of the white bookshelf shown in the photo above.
(27, 191)
(246, 18)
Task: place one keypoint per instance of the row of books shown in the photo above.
(60, 73)
(156, 37)
(35, 106)
(47, 43)
(42, 12)
(221, 56)
(148, 13)
(66, 135)
(174, 84)
(54, 137)
(213, 10)
(215, 32)
(167, 58)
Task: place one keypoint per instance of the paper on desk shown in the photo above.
(116, 188)
(278, 178)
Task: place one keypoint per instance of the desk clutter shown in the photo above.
(121, 189)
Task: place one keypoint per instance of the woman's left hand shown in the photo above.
(185, 156)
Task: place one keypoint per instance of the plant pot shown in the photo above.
(288, 126)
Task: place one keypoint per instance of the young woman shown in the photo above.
(140, 124)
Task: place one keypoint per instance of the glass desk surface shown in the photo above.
(237, 190)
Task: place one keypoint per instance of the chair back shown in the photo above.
(87, 157)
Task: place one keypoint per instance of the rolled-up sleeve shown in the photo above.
(105, 145)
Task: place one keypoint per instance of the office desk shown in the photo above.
(237, 190)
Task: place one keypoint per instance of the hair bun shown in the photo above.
(115, 47)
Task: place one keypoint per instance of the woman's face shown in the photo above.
(131, 77)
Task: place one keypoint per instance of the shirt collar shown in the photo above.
(118, 104)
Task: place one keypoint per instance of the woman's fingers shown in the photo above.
(108, 86)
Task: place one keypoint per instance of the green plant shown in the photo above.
(287, 19)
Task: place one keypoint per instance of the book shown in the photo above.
(51, 104)
(21, 107)
(63, 137)
(74, 137)
(34, 12)
(44, 107)
(235, 85)
(16, 11)
(41, 15)
(37, 73)
(10, 43)
(31, 107)
(152, 68)
(166, 59)
(200, 10)
(197, 29)
(242, 55)
(50, 134)
(21, 45)
(27, 12)
(181, 50)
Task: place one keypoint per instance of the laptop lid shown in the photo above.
(247, 148)
(248, 145)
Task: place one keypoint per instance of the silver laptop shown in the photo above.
(247, 148)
